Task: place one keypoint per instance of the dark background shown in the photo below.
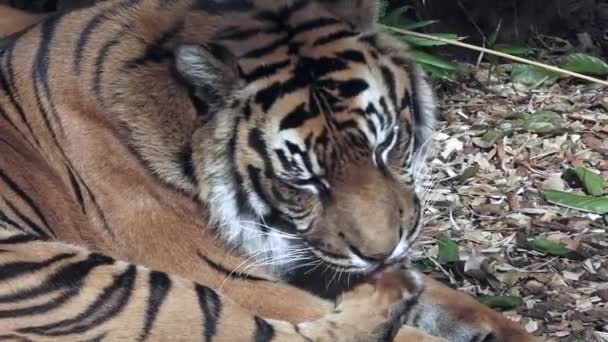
(583, 23)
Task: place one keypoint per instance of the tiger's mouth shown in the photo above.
(328, 274)
(356, 263)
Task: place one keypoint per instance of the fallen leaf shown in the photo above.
(585, 64)
(592, 182)
(501, 302)
(448, 250)
(532, 75)
(597, 205)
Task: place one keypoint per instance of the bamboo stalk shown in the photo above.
(499, 54)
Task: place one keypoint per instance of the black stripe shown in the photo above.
(18, 239)
(352, 56)
(415, 319)
(390, 83)
(228, 273)
(237, 33)
(392, 327)
(313, 25)
(303, 154)
(267, 49)
(264, 332)
(297, 117)
(266, 70)
(5, 142)
(40, 308)
(93, 24)
(15, 269)
(269, 95)
(282, 14)
(225, 6)
(296, 328)
(282, 157)
(69, 276)
(351, 88)
(255, 175)
(385, 116)
(102, 56)
(186, 165)
(256, 142)
(27, 199)
(157, 52)
(40, 75)
(241, 196)
(77, 189)
(307, 71)
(4, 218)
(102, 215)
(420, 120)
(160, 284)
(333, 37)
(6, 117)
(33, 227)
(211, 306)
(9, 88)
(108, 305)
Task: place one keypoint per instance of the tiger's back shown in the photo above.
(68, 173)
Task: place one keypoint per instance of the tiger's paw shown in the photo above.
(373, 311)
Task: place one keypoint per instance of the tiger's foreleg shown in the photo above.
(52, 291)
(456, 316)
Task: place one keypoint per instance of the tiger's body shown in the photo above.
(114, 124)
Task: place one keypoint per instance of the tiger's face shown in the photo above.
(308, 155)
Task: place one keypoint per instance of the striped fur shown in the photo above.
(240, 145)
(51, 291)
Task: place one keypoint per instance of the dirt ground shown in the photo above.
(485, 191)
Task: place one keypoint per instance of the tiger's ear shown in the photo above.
(362, 14)
(210, 71)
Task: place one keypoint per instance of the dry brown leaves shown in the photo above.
(487, 191)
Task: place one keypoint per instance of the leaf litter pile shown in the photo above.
(517, 202)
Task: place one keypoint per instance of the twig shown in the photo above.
(499, 54)
(441, 268)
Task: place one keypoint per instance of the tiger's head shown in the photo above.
(314, 122)
(295, 122)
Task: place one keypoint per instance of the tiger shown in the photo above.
(225, 170)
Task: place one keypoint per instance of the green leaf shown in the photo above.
(515, 50)
(501, 302)
(597, 205)
(396, 18)
(541, 122)
(550, 247)
(437, 73)
(415, 41)
(547, 246)
(585, 64)
(424, 265)
(448, 250)
(412, 25)
(426, 58)
(492, 136)
(592, 182)
(532, 75)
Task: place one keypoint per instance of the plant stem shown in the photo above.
(499, 54)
